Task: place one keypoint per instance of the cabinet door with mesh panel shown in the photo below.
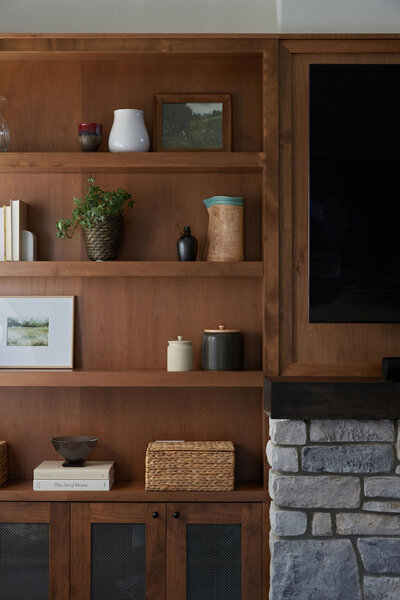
(117, 551)
(214, 551)
(34, 551)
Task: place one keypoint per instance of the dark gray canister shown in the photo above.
(222, 349)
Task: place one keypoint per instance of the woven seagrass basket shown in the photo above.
(103, 241)
(190, 466)
(3, 462)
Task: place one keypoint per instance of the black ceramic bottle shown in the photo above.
(187, 245)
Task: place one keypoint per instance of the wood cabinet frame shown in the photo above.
(166, 542)
(82, 517)
(317, 349)
(56, 514)
(247, 515)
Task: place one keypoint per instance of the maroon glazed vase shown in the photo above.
(90, 136)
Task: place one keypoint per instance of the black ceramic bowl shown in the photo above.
(74, 448)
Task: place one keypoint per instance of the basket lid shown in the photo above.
(192, 446)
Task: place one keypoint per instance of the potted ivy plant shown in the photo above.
(100, 215)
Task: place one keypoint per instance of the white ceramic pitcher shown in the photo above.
(128, 133)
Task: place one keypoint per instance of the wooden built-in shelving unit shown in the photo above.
(127, 310)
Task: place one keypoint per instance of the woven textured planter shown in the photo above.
(190, 466)
(104, 240)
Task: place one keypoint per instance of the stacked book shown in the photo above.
(16, 243)
(93, 476)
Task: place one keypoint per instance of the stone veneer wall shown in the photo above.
(335, 514)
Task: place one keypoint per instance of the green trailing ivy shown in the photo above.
(94, 209)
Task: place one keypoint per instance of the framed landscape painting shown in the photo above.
(36, 332)
(192, 123)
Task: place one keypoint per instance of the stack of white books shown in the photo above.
(16, 242)
(94, 476)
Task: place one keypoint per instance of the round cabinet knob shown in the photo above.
(155, 515)
(176, 515)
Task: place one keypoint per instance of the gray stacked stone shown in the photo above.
(380, 555)
(351, 430)
(335, 515)
(314, 570)
(321, 524)
(282, 459)
(348, 459)
(383, 487)
(287, 522)
(381, 588)
(326, 491)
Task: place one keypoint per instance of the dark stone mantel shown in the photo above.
(307, 398)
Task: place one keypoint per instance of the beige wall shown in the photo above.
(137, 16)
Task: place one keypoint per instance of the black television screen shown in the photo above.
(354, 187)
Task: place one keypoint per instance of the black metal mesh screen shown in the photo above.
(118, 561)
(213, 562)
(24, 561)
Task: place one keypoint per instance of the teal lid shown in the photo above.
(227, 200)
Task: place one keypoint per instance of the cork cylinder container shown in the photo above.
(225, 229)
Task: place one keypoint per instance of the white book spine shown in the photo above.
(2, 235)
(19, 222)
(8, 229)
(72, 485)
(55, 475)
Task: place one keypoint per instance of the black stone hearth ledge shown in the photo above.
(323, 398)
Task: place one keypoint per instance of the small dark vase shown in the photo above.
(187, 245)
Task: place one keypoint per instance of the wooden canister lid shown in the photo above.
(222, 329)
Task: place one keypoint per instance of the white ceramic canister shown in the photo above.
(128, 133)
(179, 355)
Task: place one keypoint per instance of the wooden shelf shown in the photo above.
(133, 378)
(131, 269)
(131, 491)
(131, 162)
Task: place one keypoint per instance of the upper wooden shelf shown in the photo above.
(131, 269)
(128, 378)
(131, 162)
(131, 491)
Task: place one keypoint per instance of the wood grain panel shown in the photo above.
(59, 550)
(49, 197)
(125, 420)
(24, 512)
(43, 105)
(134, 319)
(324, 348)
(271, 209)
(131, 83)
(80, 551)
